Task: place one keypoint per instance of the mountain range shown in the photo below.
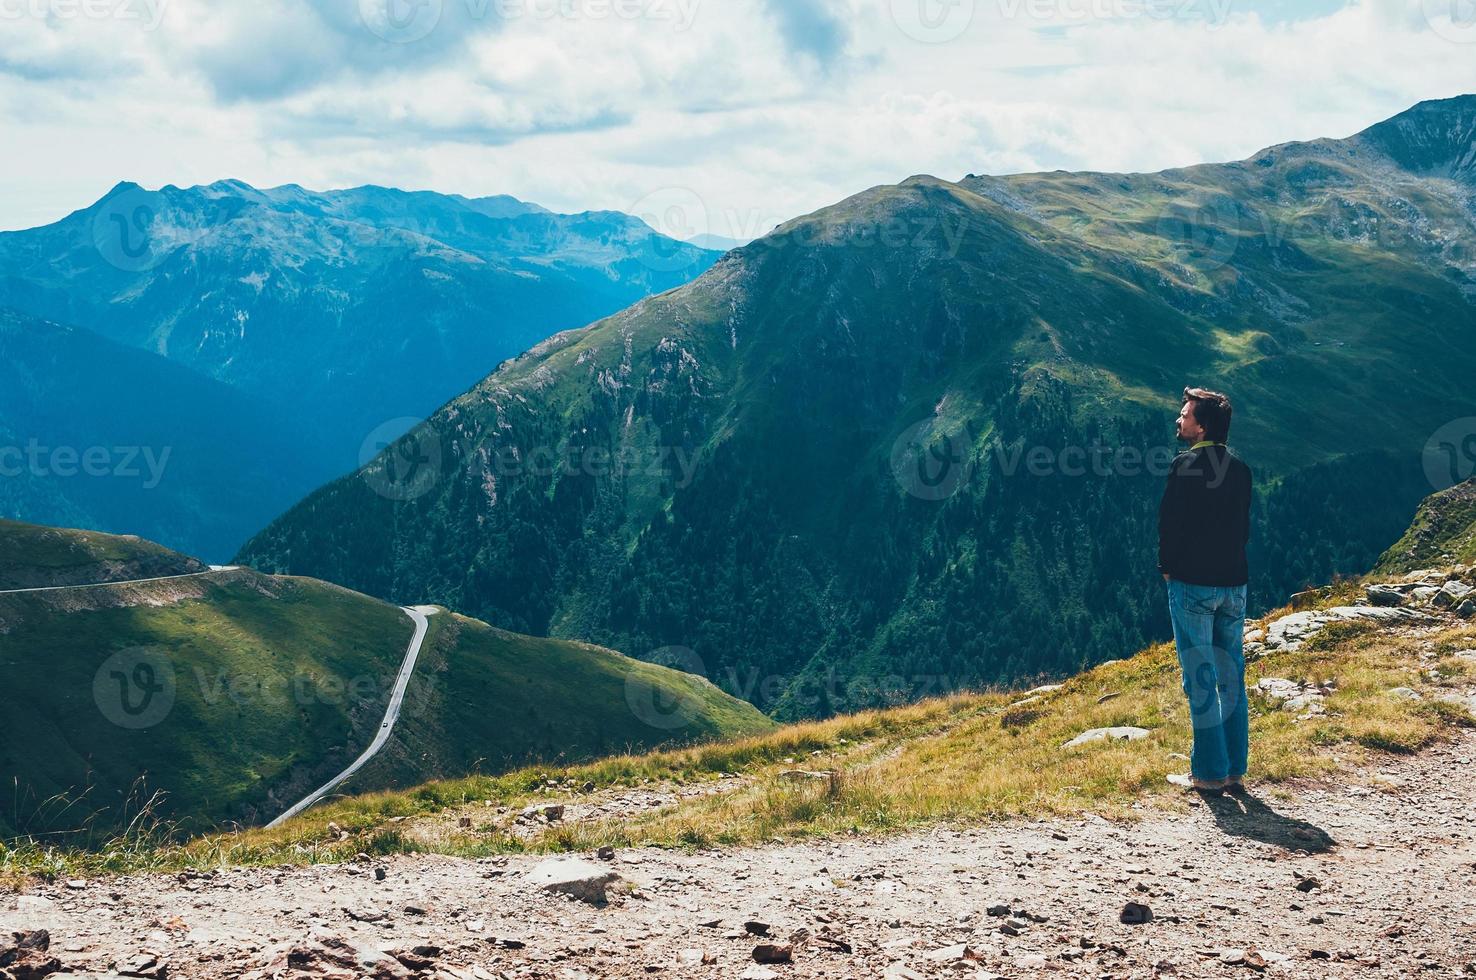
(337, 319)
(914, 441)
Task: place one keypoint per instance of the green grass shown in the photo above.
(486, 700)
(963, 759)
(1443, 532)
(36, 556)
(260, 669)
(277, 684)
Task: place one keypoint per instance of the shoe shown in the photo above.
(1192, 782)
(1236, 784)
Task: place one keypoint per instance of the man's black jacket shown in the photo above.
(1204, 520)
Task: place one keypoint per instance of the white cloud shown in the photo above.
(603, 103)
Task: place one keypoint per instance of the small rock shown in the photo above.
(1119, 734)
(756, 928)
(585, 881)
(757, 973)
(772, 953)
(1135, 914)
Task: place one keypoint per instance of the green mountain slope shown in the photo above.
(44, 557)
(915, 441)
(234, 694)
(1443, 533)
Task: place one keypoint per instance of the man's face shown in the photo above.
(1190, 430)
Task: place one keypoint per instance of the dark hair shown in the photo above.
(1212, 411)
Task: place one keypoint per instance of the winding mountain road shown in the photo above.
(420, 616)
(131, 581)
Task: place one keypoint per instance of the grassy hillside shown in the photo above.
(36, 556)
(233, 694)
(1443, 533)
(252, 711)
(966, 758)
(914, 442)
(486, 700)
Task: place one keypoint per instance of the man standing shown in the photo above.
(1203, 527)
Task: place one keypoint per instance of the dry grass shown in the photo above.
(961, 759)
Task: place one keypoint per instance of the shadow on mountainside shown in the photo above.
(1245, 815)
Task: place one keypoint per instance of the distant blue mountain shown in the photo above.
(340, 310)
(97, 435)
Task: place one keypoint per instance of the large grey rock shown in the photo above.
(1385, 595)
(1119, 734)
(572, 876)
(1464, 701)
(1278, 688)
(1452, 594)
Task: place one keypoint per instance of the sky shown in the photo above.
(720, 117)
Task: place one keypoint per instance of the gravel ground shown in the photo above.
(1366, 878)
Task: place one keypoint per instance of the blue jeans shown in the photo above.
(1209, 628)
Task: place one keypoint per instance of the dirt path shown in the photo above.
(1387, 869)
